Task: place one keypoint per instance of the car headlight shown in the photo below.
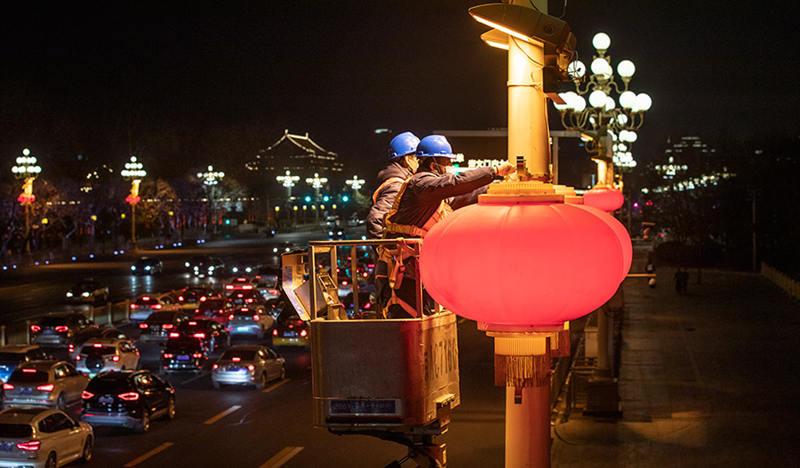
(235, 269)
(85, 294)
(133, 267)
(339, 233)
(248, 269)
(330, 233)
(275, 249)
(69, 293)
(147, 267)
(187, 264)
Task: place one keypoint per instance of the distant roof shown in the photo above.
(302, 142)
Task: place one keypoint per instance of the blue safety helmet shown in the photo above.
(403, 144)
(435, 146)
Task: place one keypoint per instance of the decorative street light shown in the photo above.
(133, 172)
(288, 180)
(26, 170)
(609, 125)
(355, 183)
(210, 179)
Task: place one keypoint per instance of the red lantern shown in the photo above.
(25, 198)
(604, 198)
(132, 200)
(520, 263)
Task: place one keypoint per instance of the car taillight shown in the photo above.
(214, 366)
(36, 328)
(247, 286)
(236, 359)
(174, 334)
(62, 328)
(368, 305)
(115, 358)
(274, 292)
(31, 446)
(256, 317)
(8, 386)
(78, 357)
(157, 306)
(192, 323)
(251, 368)
(29, 371)
(97, 345)
(230, 317)
(197, 355)
(274, 332)
(142, 325)
(133, 306)
(167, 326)
(145, 298)
(202, 298)
(128, 396)
(249, 300)
(167, 355)
(228, 286)
(71, 348)
(199, 335)
(303, 333)
(46, 388)
(86, 395)
(180, 298)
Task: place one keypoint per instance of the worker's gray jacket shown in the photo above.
(384, 196)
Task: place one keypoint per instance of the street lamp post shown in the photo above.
(211, 179)
(355, 183)
(26, 170)
(288, 180)
(133, 172)
(316, 183)
(610, 126)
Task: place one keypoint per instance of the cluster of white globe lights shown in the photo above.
(26, 164)
(602, 76)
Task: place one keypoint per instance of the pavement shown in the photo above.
(709, 378)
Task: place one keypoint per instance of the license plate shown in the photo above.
(6, 446)
(289, 333)
(25, 390)
(243, 329)
(105, 399)
(183, 358)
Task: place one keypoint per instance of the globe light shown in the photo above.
(643, 102)
(626, 68)
(632, 136)
(610, 104)
(622, 119)
(623, 147)
(26, 151)
(601, 41)
(579, 103)
(576, 69)
(627, 99)
(597, 98)
(600, 66)
(564, 106)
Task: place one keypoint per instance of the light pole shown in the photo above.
(610, 125)
(210, 179)
(316, 183)
(133, 172)
(355, 183)
(26, 170)
(288, 180)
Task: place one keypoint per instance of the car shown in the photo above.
(270, 233)
(246, 321)
(59, 330)
(283, 247)
(183, 353)
(212, 309)
(336, 233)
(12, 356)
(44, 383)
(41, 437)
(90, 333)
(290, 329)
(189, 298)
(240, 283)
(205, 265)
(147, 266)
(88, 291)
(250, 298)
(244, 268)
(211, 333)
(248, 365)
(130, 399)
(147, 304)
(159, 324)
(267, 286)
(106, 354)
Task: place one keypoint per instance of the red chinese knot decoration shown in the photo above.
(132, 200)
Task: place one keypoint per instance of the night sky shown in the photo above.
(182, 85)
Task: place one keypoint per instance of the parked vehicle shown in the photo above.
(247, 365)
(40, 437)
(59, 330)
(100, 355)
(44, 383)
(128, 399)
(183, 354)
(11, 356)
(88, 291)
(147, 266)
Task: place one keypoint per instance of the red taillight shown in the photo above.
(244, 309)
(29, 371)
(128, 396)
(249, 300)
(230, 317)
(202, 298)
(46, 388)
(78, 357)
(192, 323)
(180, 298)
(174, 334)
(236, 359)
(344, 283)
(247, 286)
(167, 355)
(157, 306)
(86, 395)
(36, 328)
(251, 368)
(274, 292)
(142, 325)
(275, 332)
(115, 358)
(62, 328)
(167, 326)
(133, 306)
(256, 317)
(368, 305)
(303, 333)
(97, 345)
(145, 298)
(8, 386)
(71, 348)
(214, 366)
(197, 355)
(31, 446)
(199, 335)
(228, 286)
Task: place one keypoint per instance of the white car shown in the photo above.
(106, 354)
(41, 437)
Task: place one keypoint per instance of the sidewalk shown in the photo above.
(711, 378)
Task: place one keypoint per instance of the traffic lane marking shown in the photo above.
(276, 385)
(280, 458)
(149, 454)
(221, 415)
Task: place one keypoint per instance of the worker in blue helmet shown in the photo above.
(402, 164)
(424, 199)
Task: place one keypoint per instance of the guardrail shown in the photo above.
(781, 280)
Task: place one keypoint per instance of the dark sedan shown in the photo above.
(59, 330)
(147, 266)
(158, 326)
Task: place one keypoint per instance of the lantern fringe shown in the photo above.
(521, 371)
